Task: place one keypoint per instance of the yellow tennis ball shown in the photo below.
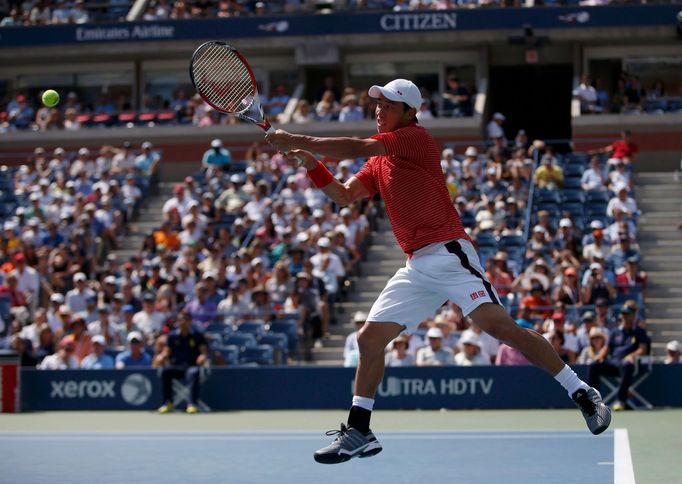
(50, 98)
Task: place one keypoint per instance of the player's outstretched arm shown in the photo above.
(342, 193)
(338, 148)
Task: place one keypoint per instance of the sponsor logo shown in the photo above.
(136, 389)
(278, 27)
(476, 295)
(84, 388)
(406, 387)
(419, 21)
(575, 18)
(137, 32)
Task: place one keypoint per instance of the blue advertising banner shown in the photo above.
(329, 388)
(344, 23)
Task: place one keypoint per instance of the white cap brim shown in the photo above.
(376, 92)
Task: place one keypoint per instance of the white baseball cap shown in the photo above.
(324, 242)
(434, 333)
(471, 151)
(400, 90)
(673, 345)
(216, 143)
(99, 339)
(596, 224)
(499, 116)
(565, 222)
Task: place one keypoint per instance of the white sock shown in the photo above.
(363, 402)
(570, 381)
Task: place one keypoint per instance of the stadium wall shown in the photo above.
(327, 388)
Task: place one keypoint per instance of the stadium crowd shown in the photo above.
(47, 12)
(258, 260)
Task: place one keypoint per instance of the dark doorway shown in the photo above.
(316, 79)
(536, 98)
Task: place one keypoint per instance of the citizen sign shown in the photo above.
(84, 388)
(419, 21)
(395, 387)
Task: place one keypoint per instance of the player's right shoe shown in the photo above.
(349, 443)
(597, 415)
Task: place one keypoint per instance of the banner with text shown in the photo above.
(324, 388)
(343, 23)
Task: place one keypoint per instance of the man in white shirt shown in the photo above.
(494, 128)
(179, 202)
(76, 298)
(593, 178)
(28, 279)
(587, 95)
(324, 249)
(351, 353)
(149, 321)
(623, 202)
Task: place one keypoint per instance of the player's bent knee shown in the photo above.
(373, 338)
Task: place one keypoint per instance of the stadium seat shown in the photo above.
(256, 328)
(572, 195)
(289, 328)
(218, 327)
(595, 196)
(574, 169)
(573, 182)
(674, 106)
(575, 209)
(230, 354)
(261, 354)
(547, 196)
(241, 340)
(655, 106)
(102, 120)
(239, 166)
(486, 239)
(166, 117)
(280, 345)
(512, 241)
(579, 158)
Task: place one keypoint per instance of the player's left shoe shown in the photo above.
(349, 443)
(192, 409)
(597, 415)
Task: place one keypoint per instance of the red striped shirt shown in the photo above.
(410, 180)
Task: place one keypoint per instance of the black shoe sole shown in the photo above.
(339, 459)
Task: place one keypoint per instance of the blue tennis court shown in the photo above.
(267, 457)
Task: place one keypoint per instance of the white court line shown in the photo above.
(623, 472)
(212, 436)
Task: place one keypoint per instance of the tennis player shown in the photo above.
(442, 264)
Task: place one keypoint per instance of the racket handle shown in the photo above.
(269, 129)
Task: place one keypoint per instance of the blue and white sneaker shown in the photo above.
(349, 443)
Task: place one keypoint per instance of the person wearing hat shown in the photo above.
(570, 347)
(622, 201)
(179, 202)
(595, 242)
(124, 160)
(674, 353)
(201, 308)
(185, 353)
(103, 326)
(626, 344)
(456, 99)
(404, 164)
(629, 280)
(548, 175)
(623, 252)
(470, 353)
(568, 290)
(597, 340)
(135, 356)
(62, 359)
(434, 353)
(82, 341)
(351, 352)
(216, 157)
(27, 280)
(77, 297)
(494, 129)
(98, 359)
(398, 355)
(597, 285)
(147, 162)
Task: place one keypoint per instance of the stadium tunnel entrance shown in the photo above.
(536, 98)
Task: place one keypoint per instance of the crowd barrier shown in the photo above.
(326, 388)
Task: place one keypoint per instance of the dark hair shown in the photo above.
(407, 107)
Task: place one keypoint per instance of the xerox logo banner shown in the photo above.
(135, 389)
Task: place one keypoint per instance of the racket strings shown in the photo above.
(221, 76)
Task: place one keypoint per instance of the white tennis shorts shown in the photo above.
(433, 275)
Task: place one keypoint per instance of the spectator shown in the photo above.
(79, 15)
(619, 176)
(569, 341)
(22, 348)
(124, 160)
(277, 103)
(424, 112)
(494, 129)
(135, 356)
(434, 353)
(548, 175)
(597, 342)
(216, 157)
(623, 252)
(147, 162)
(63, 359)
(98, 359)
(673, 356)
(618, 358)
(351, 352)
(623, 202)
(399, 356)
(350, 111)
(470, 353)
(77, 297)
(82, 342)
(628, 278)
(506, 355)
(303, 113)
(540, 306)
(457, 99)
(13, 19)
(594, 178)
(597, 286)
(595, 244)
(20, 115)
(185, 353)
(327, 108)
(587, 95)
(624, 149)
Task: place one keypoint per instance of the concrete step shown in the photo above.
(334, 341)
(372, 286)
(321, 354)
(658, 203)
(662, 264)
(648, 248)
(329, 363)
(660, 236)
(668, 335)
(382, 266)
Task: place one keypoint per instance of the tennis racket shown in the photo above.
(224, 79)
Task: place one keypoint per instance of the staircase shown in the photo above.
(659, 196)
(148, 218)
(384, 258)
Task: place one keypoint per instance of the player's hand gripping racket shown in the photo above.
(224, 79)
